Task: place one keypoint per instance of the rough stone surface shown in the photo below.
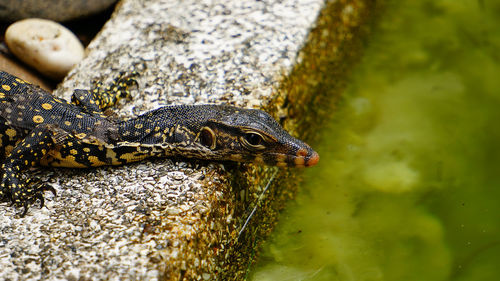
(167, 219)
(58, 10)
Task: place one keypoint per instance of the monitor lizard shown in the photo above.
(37, 128)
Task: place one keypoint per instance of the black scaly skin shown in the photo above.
(37, 128)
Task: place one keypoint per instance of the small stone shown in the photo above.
(45, 45)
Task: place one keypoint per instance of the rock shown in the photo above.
(58, 10)
(45, 45)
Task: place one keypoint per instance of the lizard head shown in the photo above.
(251, 135)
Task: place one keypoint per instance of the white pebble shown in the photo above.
(45, 45)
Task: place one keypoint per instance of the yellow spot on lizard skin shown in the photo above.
(95, 161)
(138, 126)
(133, 157)
(73, 151)
(11, 133)
(111, 154)
(2, 95)
(86, 149)
(68, 161)
(236, 157)
(38, 119)
(79, 116)
(6, 87)
(67, 123)
(47, 106)
(19, 80)
(81, 135)
(258, 159)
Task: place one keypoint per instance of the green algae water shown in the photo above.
(408, 185)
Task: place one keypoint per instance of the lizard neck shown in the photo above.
(169, 124)
(166, 131)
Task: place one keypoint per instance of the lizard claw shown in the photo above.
(25, 193)
(36, 195)
(25, 211)
(48, 187)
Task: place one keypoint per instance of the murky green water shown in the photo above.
(408, 186)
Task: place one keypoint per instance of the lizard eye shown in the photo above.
(253, 139)
(208, 138)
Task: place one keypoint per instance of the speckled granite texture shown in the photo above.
(168, 219)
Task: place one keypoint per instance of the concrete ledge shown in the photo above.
(169, 219)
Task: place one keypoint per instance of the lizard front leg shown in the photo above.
(100, 98)
(26, 154)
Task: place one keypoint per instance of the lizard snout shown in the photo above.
(305, 158)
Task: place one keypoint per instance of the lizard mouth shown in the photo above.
(303, 158)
